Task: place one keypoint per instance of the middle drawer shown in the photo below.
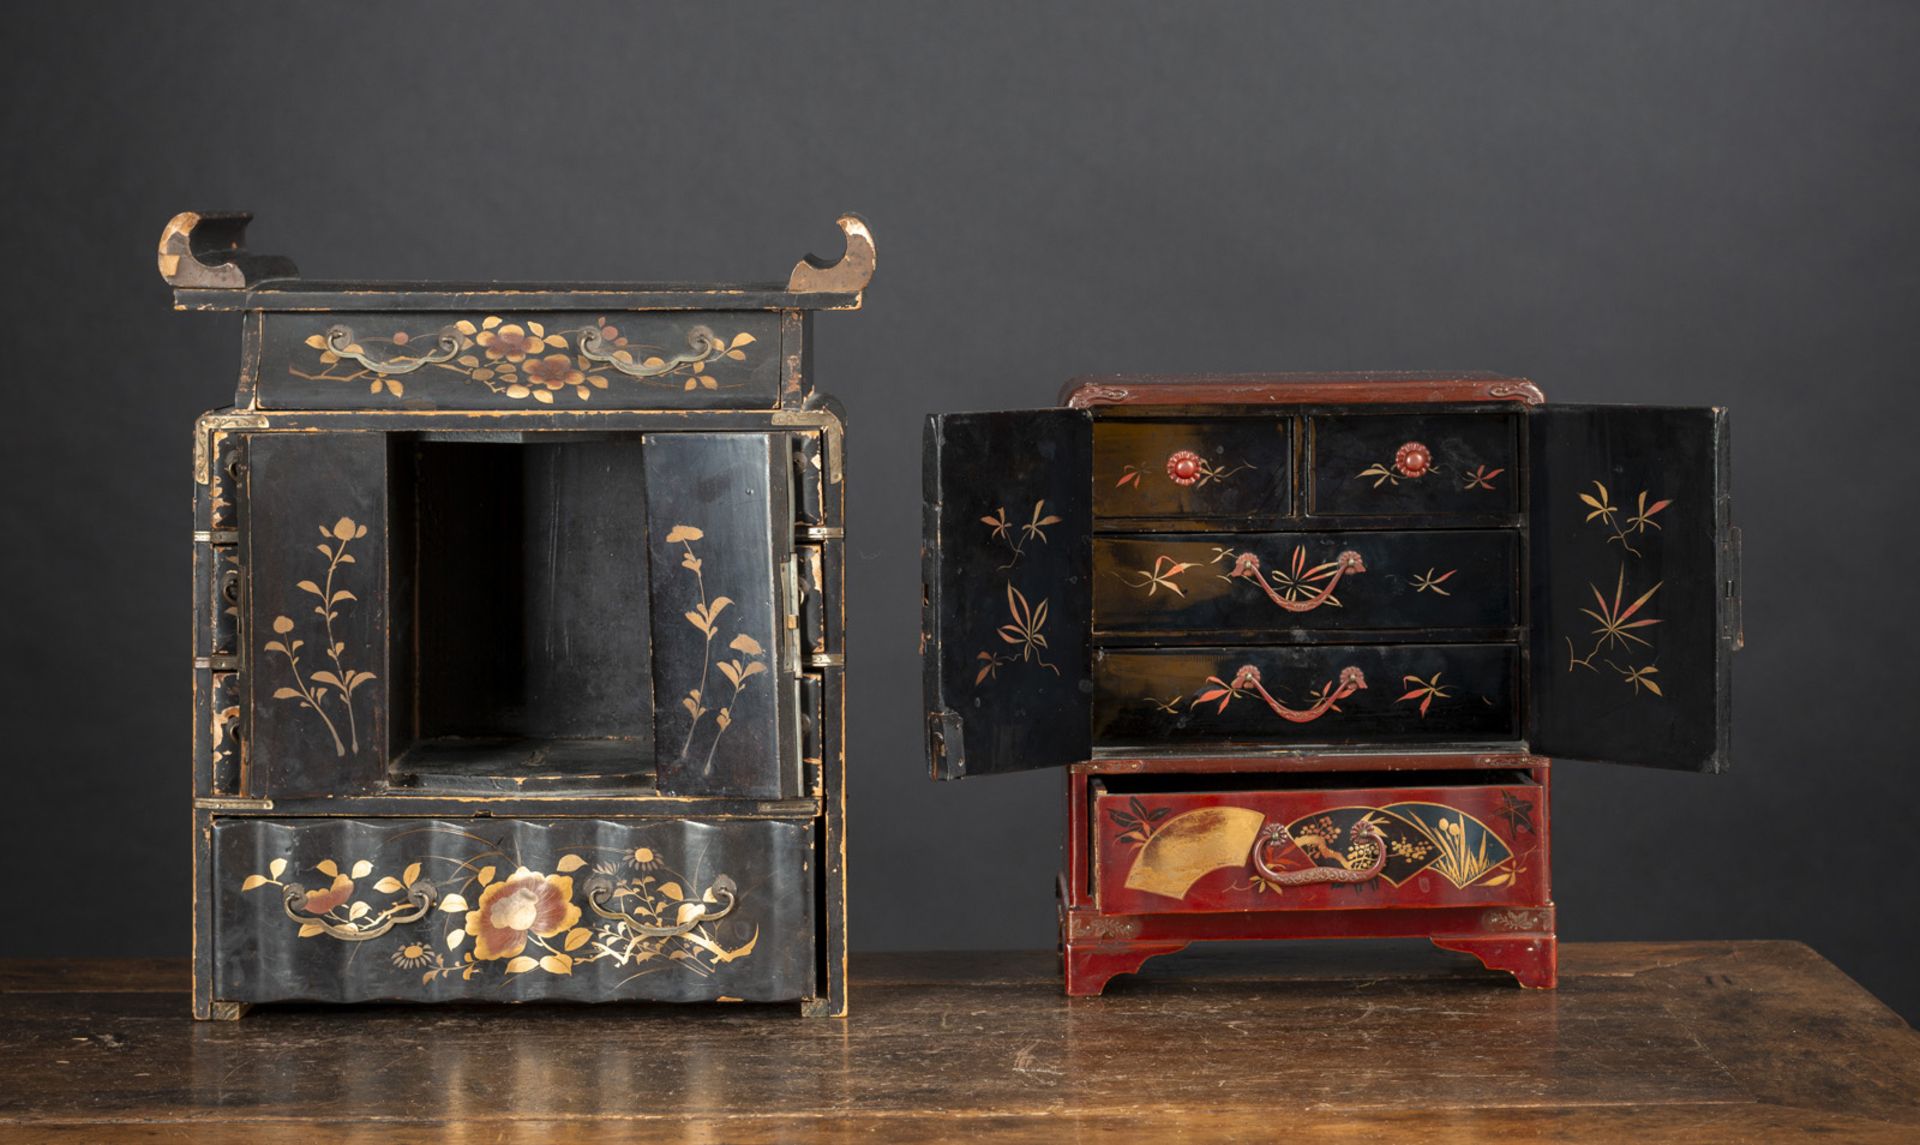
(1258, 583)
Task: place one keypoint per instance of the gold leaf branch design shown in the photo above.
(521, 360)
(312, 689)
(705, 616)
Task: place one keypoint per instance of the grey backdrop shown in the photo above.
(1698, 203)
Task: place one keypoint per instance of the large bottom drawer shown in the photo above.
(352, 910)
(1348, 847)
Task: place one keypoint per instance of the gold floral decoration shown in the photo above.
(521, 360)
(525, 922)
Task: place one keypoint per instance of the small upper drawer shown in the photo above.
(1213, 469)
(1422, 842)
(1263, 583)
(533, 360)
(1413, 464)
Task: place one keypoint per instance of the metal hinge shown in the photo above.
(946, 749)
(1734, 629)
(832, 449)
(210, 804)
(203, 438)
(790, 611)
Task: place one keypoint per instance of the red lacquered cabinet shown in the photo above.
(1303, 644)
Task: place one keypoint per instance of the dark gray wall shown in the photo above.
(1700, 203)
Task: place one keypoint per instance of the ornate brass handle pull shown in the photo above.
(340, 340)
(702, 345)
(420, 899)
(1247, 567)
(1363, 831)
(600, 889)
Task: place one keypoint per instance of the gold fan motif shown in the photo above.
(1190, 845)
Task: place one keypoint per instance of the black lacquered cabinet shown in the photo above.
(517, 639)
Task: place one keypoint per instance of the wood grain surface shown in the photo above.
(1701, 1042)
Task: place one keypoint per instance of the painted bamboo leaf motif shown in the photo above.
(1620, 628)
(1026, 622)
(1426, 691)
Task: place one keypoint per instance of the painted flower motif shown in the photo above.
(555, 371)
(412, 956)
(643, 859)
(1412, 460)
(324, 900)
(525, 903)
(511, 341)
(1183, 467)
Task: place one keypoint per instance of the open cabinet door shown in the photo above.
(1635, 601)
(314, 531)
(1006, 565)
(719, 522)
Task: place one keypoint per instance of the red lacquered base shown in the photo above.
(1212, 866)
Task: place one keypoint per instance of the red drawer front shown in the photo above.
(1201, 851)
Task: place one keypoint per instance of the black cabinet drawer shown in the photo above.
(1261, 583)
(352, 910)
(1211, 469)
(1413, 464)
(1307, 694)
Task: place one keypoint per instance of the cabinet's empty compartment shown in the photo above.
(523, 626)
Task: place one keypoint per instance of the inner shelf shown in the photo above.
(524, 764)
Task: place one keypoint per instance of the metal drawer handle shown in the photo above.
(1247, 567)
(702, 346)
(1276, 833)
(600, 889)
(1350, 680)
(420, 900)
(341, 341)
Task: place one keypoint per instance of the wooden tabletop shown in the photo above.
(1303, 1043)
